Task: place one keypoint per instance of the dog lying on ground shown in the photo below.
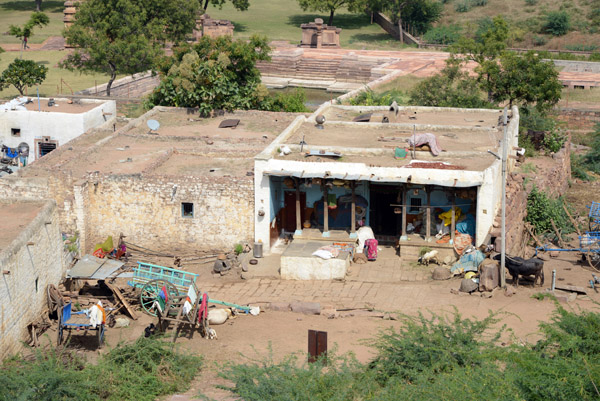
(520, 267)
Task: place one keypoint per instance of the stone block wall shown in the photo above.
(34, 260)
(553, 180)
(148, 210)
(133, 86)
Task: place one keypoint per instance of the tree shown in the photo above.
(26, 31)
(240, 5)
(452, 87)
(331, 6)
(526, 80)
(214, 74)
(558, 23)
(420, 14)
(22, 74)
(126, 36)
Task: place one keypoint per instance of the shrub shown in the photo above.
(542, 210)
(554, 140)
(463, 7)
(531, 2)
(579, 169)
(557, 23)
(582, 48)
(539, 40)
(479, 3)
(443, 35)
(144, 370)
(369, 97)
(293, 102)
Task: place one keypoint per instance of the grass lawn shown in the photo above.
(281, 19)
(17, 12)
(51, 85)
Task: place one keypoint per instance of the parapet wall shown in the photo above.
(33, 261)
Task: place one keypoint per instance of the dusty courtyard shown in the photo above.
(278, 333)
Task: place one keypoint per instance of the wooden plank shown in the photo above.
(536, 239)
(121, 298)
(571, 288)
(572, 220)
(560, 241)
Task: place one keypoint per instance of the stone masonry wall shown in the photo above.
(553, 179)
(34, 260)
(148, 210)
(579, 119)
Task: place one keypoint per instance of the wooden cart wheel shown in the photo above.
(150, 292)
(593, 256)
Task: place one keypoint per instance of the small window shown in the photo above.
(187, 209)
(415, 204)
(15, 131)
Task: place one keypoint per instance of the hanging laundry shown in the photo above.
(426, 139)
(10, 152)
(331, 201)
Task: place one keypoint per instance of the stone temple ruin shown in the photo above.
(317, 34)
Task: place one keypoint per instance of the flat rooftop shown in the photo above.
(184, 144)
(464, 135)
(61, 105)
(15, 216)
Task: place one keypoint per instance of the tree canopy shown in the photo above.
(37, 19)
(419, 14)
(126, 36)
(22, 74)
(526, 80)
(331, 6)
(240, 5)
(214, 74)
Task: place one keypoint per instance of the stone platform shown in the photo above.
(297, 263)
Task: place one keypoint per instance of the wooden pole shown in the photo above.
(572, 220)
(353, 211)
(560, 241)
(428, 215)
(325, 211)
(535, 238)
(404, 233)
(298, 211)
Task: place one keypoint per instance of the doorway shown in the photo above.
(289, 210)
(383, 219)
(44, 146)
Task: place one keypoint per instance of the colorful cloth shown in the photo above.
(99, 253)
(469, 262)
(461, 241)
(447, 216)
(190, 300)
(331, 201)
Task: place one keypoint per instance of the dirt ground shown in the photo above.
(278, 334)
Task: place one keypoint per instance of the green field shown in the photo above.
(17, 12)
(281, 19)
(52, 84)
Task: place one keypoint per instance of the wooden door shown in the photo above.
(289, 210)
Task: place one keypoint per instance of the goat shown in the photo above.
(428, 257)
(520, 267)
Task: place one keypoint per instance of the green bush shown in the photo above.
(443, 35)
(582, 48)
(293, 102)
(554, 140)
(369, 97)
(144, 370)
(442, 358)
(539, 40)
(558, 23)
(463, 7)
(531, 2)
(542, 210)
(579, 169)
(479, 3)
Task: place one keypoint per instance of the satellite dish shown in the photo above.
(153, 125)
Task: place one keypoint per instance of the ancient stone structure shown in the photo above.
(69, 12)
(213, 28)
(317, 34)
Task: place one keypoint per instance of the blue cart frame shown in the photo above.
(152, 278)
(589, 247)
(66, 312)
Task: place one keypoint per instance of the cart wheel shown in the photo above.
(150, 292)
(593, 256)
(100, 336)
